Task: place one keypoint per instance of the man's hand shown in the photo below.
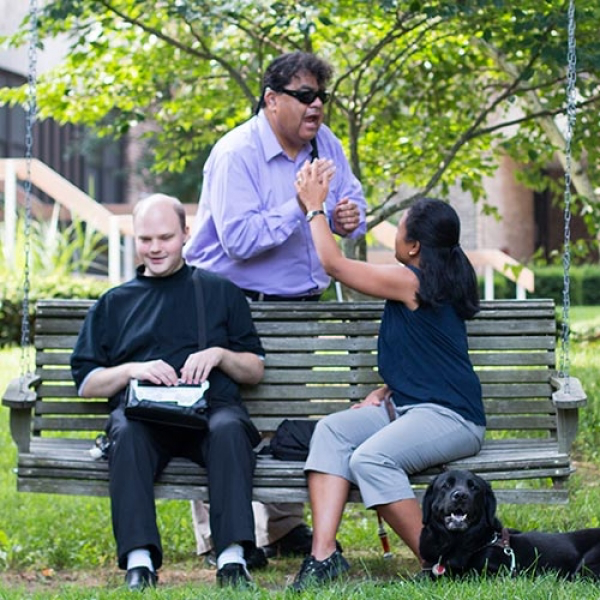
(198, 366)
(107, 382)
(346, 217)
(155, 371)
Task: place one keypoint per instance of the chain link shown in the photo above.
(571, 115)
(26, 349)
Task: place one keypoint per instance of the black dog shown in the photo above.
(462, 535)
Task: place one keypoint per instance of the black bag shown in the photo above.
(292, 439)
(181, 405)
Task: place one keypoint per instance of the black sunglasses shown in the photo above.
(307, 96)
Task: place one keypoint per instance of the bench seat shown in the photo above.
(321, 357)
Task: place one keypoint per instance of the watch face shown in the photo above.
(313, 213)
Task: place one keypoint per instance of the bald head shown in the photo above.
(160, 233)
(161, 201)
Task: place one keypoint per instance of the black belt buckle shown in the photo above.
(262, 297)
(254, 296)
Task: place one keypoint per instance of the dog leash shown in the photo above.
(503, 541)
(381, 531)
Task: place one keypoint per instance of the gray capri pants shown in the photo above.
(364, 447)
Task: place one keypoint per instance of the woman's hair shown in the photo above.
(446, 273)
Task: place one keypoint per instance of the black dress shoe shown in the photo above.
(234, 575)
(296, 542)
(209, 559)
(139, 578)
(255, 558)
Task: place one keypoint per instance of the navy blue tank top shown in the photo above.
(423, 357)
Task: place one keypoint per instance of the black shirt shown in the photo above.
(151, 318)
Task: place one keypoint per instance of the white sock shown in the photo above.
(231, 554)
(140, 557)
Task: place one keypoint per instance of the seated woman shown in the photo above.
(434, 394)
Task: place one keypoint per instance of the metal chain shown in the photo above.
(571, 114)
(26, 350)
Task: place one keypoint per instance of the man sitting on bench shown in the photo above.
(147, 329)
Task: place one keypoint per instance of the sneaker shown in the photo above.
(234, 575)
(315, 572)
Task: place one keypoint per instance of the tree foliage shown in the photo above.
(422, 95)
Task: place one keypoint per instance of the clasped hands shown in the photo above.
(312, 187)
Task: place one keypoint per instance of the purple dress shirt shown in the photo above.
(249, 226)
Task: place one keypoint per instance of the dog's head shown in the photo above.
(458, 500)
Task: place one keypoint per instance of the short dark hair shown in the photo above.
(285, 67)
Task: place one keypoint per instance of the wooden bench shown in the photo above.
(321, 356)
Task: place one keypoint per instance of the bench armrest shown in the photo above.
(567, 403)
(573, 398)
(19, 393)
(20, 397)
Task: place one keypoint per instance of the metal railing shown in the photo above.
(118, 229)
(70, 197)
(485, 261)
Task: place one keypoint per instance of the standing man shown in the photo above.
(251, 228)
(148, 329)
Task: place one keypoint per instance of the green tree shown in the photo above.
(423, 95)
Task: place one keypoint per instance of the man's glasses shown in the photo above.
(307, 96)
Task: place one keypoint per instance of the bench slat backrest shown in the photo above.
(323, 355)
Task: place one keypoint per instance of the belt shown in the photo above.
(261, 297)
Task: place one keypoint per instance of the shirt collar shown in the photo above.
(181, 272)
(270, 143)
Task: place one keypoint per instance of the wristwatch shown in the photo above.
(311, 214)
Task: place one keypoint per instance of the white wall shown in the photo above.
(12, 13)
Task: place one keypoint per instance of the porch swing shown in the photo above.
(508, 335)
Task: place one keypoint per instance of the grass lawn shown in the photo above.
(585, 318)
(55, 546)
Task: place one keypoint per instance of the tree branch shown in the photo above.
(206, 55)
(450, 155)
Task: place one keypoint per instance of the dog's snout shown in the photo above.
(459, 495)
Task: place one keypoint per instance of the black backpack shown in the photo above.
(292, 439)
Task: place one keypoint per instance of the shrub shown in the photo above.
(584, 285)
(52, 286)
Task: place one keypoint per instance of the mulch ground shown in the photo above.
(279, 573)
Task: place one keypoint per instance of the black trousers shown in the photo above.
(139, 453)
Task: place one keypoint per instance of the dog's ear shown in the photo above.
(490, 504)
(426, 505)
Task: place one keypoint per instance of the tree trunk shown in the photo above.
(357, 250)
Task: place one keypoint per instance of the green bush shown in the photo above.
(53, 286)
(549, 283)
(590, 285)
(584, 285)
